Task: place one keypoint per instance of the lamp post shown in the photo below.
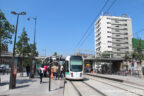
(12, 83)
(35, 19)
(32, 67)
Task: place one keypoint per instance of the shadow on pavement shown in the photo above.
(3, 84)
(22, 86)
(24, 81)
(58, 88)
(85, 79)
(45, 82)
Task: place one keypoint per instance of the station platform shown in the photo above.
(31, 87)
(127, 79)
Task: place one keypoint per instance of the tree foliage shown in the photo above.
(126, 57)
(22, 46)
(138, 52)
(55, 54)
(33, 50)
(106, 54)
(6, 30)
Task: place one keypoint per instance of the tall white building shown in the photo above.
(113, 34)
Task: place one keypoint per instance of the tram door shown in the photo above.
(66, 67)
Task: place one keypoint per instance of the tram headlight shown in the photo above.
(71, 74)
(80, 74)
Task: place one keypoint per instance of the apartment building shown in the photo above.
(113, 34)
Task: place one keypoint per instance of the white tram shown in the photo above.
(74, 67)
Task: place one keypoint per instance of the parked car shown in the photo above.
(3, 68)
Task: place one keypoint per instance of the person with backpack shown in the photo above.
(41, 71)
(45, 71)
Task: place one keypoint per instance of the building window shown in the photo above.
(108, 27)
(125, 33)
(108, 23)
(124, 29)
(109, 36)
(117, 35)
(117, 30)
(116, 21)
(126, 38)
(118, 45)
(118, 54)
(118, 49)
(108, 32)
(109, 42)
(109, 46)
(117, 40)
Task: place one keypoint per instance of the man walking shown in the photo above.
(41, 71)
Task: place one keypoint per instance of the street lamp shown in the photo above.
(35, 19)
(31, 66)
(12, 83)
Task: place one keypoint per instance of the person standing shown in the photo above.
(58, 72)
(28, 70)
(41, 71)
(61, 71)
(45, 71)
(54, 71)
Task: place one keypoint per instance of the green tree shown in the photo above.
(55, 54)
(126, 57)
(23, 47)
(34, 53)
(33, 50)
(106, 54)
(139, 55)
(6, 31)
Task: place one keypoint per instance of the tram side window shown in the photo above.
(66, 66)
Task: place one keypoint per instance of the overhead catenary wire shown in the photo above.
(82, 42)
(93, 22)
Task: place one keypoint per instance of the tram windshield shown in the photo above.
(76, 64)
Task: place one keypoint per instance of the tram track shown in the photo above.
(119, 82)
(79, 93)
(118, 86)
(95, 89)
(91, 87)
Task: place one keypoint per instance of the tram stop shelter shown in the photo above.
(103, 65)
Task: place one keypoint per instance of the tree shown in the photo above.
(6, 31)
(126, 57)
(33, 54)
(33, 50)
(55, 54)
(139, 55)
(106, 54)
(22, 47)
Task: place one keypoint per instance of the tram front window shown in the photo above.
(75, 66)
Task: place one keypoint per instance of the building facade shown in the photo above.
(113, 34)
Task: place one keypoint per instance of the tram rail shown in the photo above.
(118, 86)
(95, 89)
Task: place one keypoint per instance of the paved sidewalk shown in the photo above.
(32, 87)
(128, 79)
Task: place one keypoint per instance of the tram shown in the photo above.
(74, 67)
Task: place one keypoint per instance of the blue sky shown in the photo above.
(61, 23)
